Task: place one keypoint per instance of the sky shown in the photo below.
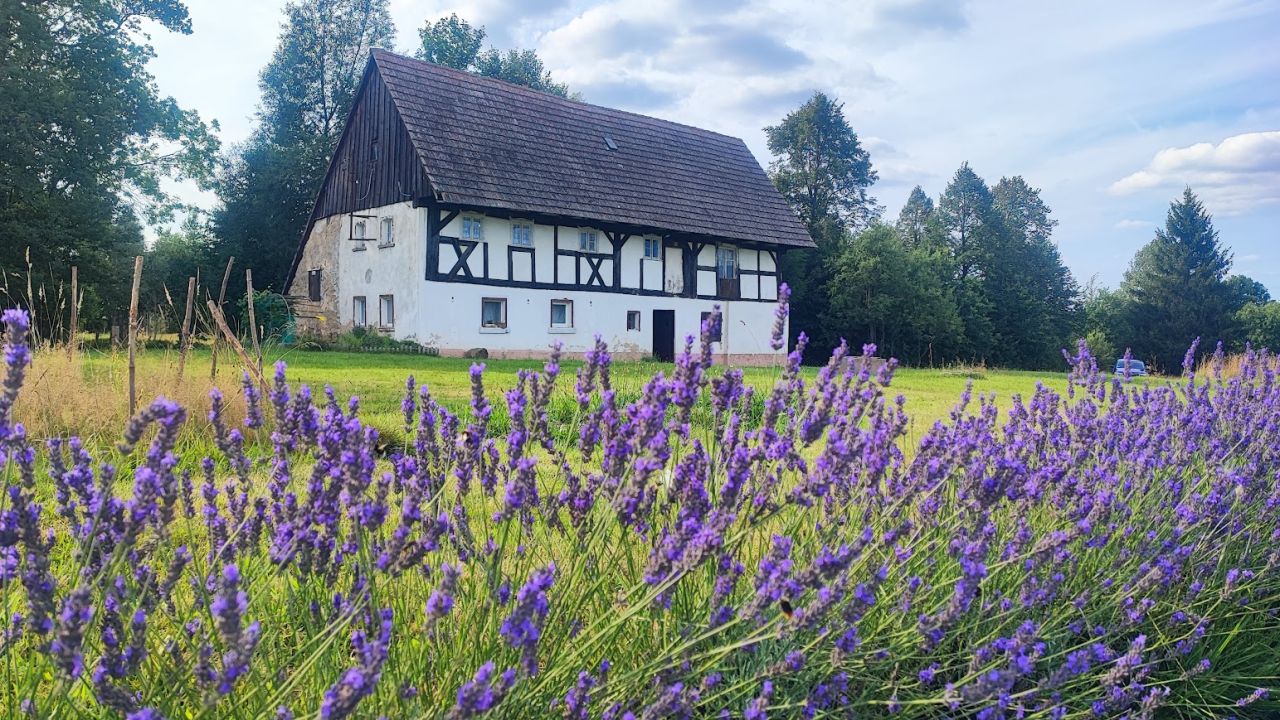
(1110, 108)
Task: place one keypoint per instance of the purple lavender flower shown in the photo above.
(359, 682)
(252, 402)
(523, 627)
(441, 600)
(778, 338)
(482, 693)
(229, 606)
(68, 641)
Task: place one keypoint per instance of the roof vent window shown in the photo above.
(608, 141)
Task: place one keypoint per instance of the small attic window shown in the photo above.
(608, 141)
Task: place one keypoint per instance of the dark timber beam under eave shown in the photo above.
(435, 226)
(433, 236)
(604, 225)
(617, 240)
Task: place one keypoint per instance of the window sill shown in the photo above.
(562, 330)
(359, 247)
(386, 245)
(493, 331)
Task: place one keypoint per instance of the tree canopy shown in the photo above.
(86, 140)
(1176, 286)
(454, 42)
(267, 186)
(974, 276)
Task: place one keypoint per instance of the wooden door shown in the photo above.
(664, 335)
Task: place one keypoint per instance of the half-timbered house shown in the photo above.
(466, 212)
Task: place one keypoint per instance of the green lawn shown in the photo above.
(379, 379)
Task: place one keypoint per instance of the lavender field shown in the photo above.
(1107, 552)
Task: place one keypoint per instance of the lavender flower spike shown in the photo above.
(482, 693)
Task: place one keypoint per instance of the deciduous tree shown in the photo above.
(824, 173)
(455, 43)
(85, 140)
(887, 293)
(268, 185)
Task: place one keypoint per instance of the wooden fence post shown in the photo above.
(133, 335)
(222, 297)
(74, 337)
(238, 348)
(184, 340)
(253, 322)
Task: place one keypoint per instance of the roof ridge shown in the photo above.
(524, 90)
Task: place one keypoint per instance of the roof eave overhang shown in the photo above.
(544, 218)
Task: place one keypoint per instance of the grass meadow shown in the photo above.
(89, 397)
(634, 540)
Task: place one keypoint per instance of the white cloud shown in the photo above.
(1238, 174)
(1133, 224)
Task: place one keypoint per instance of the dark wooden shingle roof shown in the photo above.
(491, 144)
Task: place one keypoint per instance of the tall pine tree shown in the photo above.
(971, 228)
(915, 218)
(269, 184)
(1034, 298)
(1177, 287)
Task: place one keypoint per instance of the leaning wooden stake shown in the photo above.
(184, 340)
(221, 322)
(133, 335)
(253, 323)
(222, 297)
(74, 337)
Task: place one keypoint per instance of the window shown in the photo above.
(633, 320)
(493, 312)
(726, 263)
(706, 316)
(358, 235)
(388, 237)
(652, 248)
(588, 241)
(561, 313)
(386, 311)
(313, 285)
(522, 234)
(472, 228)
(359, 311)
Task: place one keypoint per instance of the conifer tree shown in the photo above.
(1176, 286)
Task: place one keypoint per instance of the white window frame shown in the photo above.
(588, 241)
(633, 314)
(502, 314)
(723, 252)
(386, 232)
(359, 311)
(567, 325)
(472, 228)
(358, 236)
(386, 302)
(656, 244)
(522, 234)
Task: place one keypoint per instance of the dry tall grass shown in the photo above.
(88, 396)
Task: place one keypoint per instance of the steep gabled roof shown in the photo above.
(487, 143)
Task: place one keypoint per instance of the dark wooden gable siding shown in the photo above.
(375, 163)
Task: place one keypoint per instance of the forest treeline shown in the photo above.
(975, 276)
(970, 273)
